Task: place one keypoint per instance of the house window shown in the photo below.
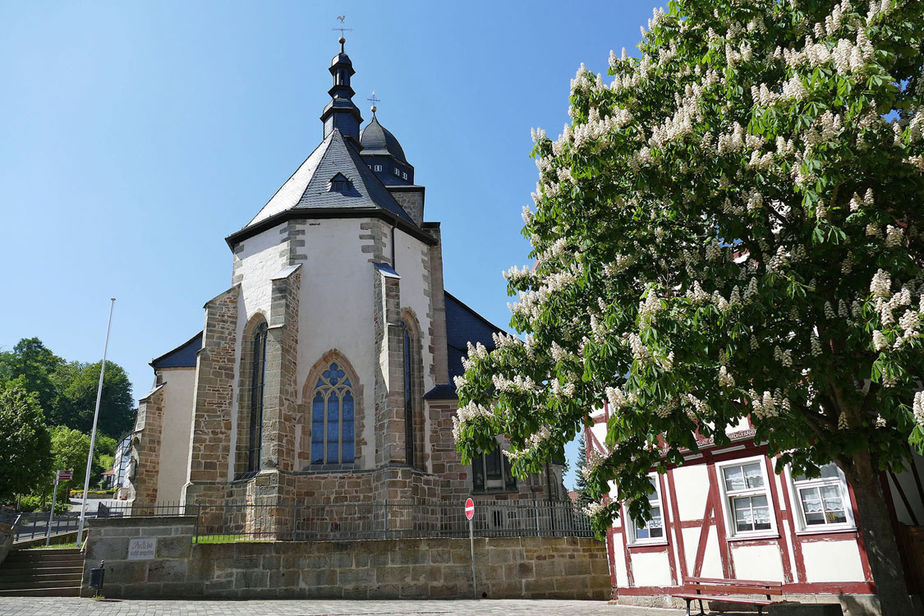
(378, 167)
(491, 473)
(404, 175)
(397, 171)
(257, 381)
(653, 530)
(747, 502)
(332, 439)
(823, 502)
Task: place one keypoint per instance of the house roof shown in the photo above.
(378, 141)
(309, 188)
(463, 325)
(183, 356)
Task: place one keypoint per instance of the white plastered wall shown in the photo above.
(179, 391)
(261, 257)
(415, 294)
(336, 308)
(832, 561)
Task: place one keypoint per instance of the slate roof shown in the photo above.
(378, 141)
(184, 356)
(309, 187)
(463, 325)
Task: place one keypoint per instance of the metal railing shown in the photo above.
(387, 520)
(300, 521)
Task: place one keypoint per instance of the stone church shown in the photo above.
(324, 373)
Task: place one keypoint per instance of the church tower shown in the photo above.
(324, 373)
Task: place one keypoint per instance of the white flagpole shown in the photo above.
(99, 395)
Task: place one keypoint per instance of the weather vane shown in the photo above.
(372, 99)
(341, 28)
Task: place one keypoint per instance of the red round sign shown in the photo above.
(469, 509)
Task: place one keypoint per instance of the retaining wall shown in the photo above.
(509, 567)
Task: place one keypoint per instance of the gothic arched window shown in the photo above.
(408, 397)
(332, 439)
(257, 381)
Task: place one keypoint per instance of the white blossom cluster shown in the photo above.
(725, 379)
(516, 274)
(594, 459)
(765, 405)
(517, 384)
(592, 509)
(917, 408)
(475, 352)
(561, 390)
(467, 413)
(617, 398)
(558, 353)
(640, 352)
(650, 306)
(504, 340)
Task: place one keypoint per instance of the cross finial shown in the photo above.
(372, 99)
(341, 28)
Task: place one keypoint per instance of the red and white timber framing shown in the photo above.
(697, 541)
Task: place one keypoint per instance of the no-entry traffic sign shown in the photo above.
(469, 509)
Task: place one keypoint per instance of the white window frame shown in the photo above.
(804, 528)
(632, 528)
(728, 496)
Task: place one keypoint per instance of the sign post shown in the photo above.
(60, 475)
(470, 513)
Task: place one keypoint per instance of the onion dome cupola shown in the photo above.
(384, 155)
(340, 113)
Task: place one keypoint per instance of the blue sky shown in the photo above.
(135, 136)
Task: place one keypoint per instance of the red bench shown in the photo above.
(719, 589)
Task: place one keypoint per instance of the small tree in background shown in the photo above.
(731, 227)
(25, 446)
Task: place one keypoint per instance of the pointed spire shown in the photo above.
(340, 112)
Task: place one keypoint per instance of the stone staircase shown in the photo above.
(41, 573)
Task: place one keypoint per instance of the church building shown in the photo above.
(324, 373)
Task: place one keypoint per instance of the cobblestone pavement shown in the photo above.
(58, 606)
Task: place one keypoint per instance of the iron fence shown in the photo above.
(387, 520)
(300, 521)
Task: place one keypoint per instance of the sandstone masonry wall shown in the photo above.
(513, 567)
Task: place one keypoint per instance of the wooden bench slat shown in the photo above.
(723, 598)
(730, 582)
(742, 590)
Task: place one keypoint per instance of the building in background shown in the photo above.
(726, 514)
(324, 373)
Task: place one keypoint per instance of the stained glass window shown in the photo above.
(332, 417)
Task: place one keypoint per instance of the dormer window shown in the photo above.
(378, 167)
(339, 183)
(397, 172)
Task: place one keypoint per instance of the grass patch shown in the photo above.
(57, 546)
(220, 538)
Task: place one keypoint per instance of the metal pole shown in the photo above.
(51, 514)
(99, 395)
(471, 541)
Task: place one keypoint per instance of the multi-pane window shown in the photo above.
(653, 530)
(332, 412)
(408, 398)
(257, 381)
(823, 500)
(491, 473)
(746, 494)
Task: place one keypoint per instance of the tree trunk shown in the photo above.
(879, 536)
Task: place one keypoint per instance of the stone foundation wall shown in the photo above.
(511, 567)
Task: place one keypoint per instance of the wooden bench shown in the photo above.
(718, 589)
